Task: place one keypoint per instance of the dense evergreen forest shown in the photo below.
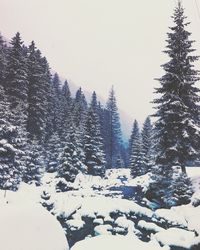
(43, 128)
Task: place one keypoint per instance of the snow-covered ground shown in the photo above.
(29, 226)
(95, 216)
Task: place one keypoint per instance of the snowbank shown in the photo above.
(116, 243)
(176, 237)
(30, 226)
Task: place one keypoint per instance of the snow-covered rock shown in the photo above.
(75, 224)
(102, 230)
(176, 237)
(30, 226)
(116, 243)
(123, 222)
(149, 226)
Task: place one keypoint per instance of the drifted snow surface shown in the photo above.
(26, 225)
(116, 243)
(29, 227)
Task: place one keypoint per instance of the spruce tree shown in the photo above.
(93, 145)
(147, 145)
(34, 164)
(16, 88)
(114, 129)
(3, 59)
(177, 125)
(177, 113)
(16, 80)
(37, 96)
(53, 150)
(10, 154)
(136, 154)
(69, 163)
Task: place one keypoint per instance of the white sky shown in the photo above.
(97, 43)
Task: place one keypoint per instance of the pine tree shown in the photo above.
(3, 60)
(34, 164)
(177, 108)
(16, 82)
(69, 163)
(53, 150)
(16, 88)
(177, 125)
(114, 130)
(93, 145)
(136, 154)
(147, 146)
(10, 168)
(57, 104)
(37, 96)
(66, 111)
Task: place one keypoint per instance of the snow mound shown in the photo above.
(102, 230)
(149, 226)
(30, 226)
(123, 222)
(116, 243)
(176, 237)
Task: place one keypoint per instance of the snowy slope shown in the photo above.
(29, 226)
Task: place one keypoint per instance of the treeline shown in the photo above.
(43, 128)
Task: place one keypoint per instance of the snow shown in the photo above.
(122, 221)
(150, 226)
(85, 201)
(29, 226)
(193, 171)
(176, 237)
(98, 221)
(102, 230)
(75, 224)
(116, 243)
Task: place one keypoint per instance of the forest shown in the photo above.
(62, 149)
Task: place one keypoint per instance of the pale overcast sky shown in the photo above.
(97, 43)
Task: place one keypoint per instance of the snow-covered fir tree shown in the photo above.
(37, 95)
(16, 79)
(10, 154)
(136, 152)
(57, 104)
(147, 145)
(34, 163)
(69, 161)
(177, 125)
(53, 150)
(65, 111)
(93, 145)
(3, 59)
(114, 138)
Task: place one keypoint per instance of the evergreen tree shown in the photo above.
(16, 80)
(16, 88)
(136, 155)
(79, 110)
(177, 125)
(147, 147)
(53, 150)
(114, 130)
(93, 145)
(177, 108)
(34, 164)
(57, 104)
(69, 163)
(37, 96)
(3, 60)
(66, 111)
(10, 168)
